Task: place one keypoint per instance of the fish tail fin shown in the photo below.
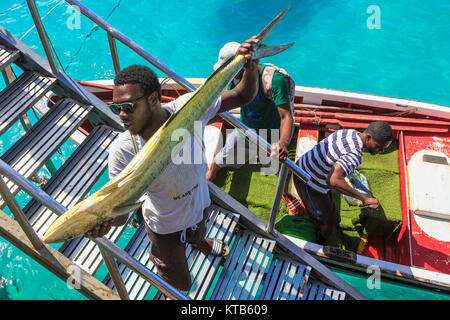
(267, 51)
(265, 32)
(262, 50)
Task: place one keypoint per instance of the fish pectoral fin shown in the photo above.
(125, 208)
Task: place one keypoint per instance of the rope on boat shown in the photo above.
(166, 81)
(94, 29)
(16, 6)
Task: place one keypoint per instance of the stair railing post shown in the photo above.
(19, 215)
(121, 255)
(115, 274)
(42, 35)
(282, 177)
(113, 50)
(102, 23)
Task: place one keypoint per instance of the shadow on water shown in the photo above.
(4, 295)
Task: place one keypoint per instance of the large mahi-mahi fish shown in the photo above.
(120, 195)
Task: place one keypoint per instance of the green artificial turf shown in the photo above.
(252, 188)
(300, 227)
(382, 172)
(256, 191)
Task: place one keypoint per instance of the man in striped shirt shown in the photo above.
(329, 162)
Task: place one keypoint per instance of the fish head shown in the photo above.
(78, 220)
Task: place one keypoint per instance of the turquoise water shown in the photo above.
(408, 56)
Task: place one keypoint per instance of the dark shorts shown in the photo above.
(167, 252)
(318, 205)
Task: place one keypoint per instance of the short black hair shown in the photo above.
(142, 75)
(381, 131)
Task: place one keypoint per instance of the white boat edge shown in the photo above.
(315, 95)
(388, 269)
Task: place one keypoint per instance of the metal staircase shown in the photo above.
(7, 56)
(31, 152)
(261, 264)
(252, 270)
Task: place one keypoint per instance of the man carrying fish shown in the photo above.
(158, 172)
(174, 207)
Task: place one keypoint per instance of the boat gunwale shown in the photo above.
(392, 270)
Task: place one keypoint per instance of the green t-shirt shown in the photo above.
(280, 89)
(262, 113)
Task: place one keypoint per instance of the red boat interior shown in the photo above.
(409, 245)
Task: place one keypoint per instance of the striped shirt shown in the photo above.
(343, 146)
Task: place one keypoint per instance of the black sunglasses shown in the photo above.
(128, 107)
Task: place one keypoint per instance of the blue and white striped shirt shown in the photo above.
(343, 146)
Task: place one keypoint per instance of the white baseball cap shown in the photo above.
(227, 51)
